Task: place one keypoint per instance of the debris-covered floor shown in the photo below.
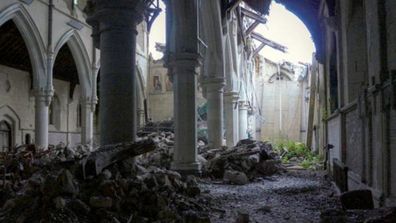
(295, 196)
(132, 182)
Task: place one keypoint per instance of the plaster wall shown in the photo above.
(280, 104)
(16, 93)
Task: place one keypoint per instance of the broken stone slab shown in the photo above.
(357, 199)
(108, 155)
(268, 167)
(235, 177)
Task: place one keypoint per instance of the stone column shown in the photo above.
(243, 120)
(42, 101)
(185, 113)
(115, 23)
(214, 95)
(87, 111)
(184, 59)
(252, 124)
(231, 118)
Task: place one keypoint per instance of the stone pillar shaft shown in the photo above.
(117, 21)
(185, 108)
(243, 120)
(232, 118)
(214, 91)
(42, 101)
(252, 124)
(87, 110)
(184, 59)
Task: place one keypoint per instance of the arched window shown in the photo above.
(5, 136)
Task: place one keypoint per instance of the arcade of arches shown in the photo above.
(51, 89)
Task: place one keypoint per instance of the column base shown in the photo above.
(187, 168)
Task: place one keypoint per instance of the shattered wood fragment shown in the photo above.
(110, 154)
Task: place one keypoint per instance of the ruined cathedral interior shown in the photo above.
(178, 111)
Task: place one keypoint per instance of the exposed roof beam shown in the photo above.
(152, 11)
(240, 25)
(268, 42)
(252, 27)
(258, 49)
(232, 5)
(254, 16)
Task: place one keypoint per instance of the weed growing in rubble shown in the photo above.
(297, 152)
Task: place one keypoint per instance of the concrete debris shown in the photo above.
(248, 160)
(38, 189)
(128, 182)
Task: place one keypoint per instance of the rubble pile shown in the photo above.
(243, 162)
(237, 165)
(163, 126)
(92, 187)
(163, 155)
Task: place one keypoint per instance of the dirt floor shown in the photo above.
(296, 196)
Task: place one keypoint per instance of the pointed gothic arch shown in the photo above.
(31, 35)
(9, 115)
(81, 59)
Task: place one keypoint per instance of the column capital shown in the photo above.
(44, 95)
(89, 103)
(114, 14)
(120, 11)
(231, 96)
(213, 83)
(184, 61)
(243, 105)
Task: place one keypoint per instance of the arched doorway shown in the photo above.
(5, 136)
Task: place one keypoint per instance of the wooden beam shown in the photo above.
(252, 27)
(110, 154)
(258, 49)
(268, 42)
(232, 5)
(240, 25)
(254, 16)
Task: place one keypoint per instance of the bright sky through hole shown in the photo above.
(282, 27)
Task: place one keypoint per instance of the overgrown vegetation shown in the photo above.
(298, 153)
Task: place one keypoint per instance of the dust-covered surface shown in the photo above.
(296, 196)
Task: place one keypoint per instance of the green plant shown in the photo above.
(297, 151)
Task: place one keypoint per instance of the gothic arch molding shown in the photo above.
(31, 35)
(308, 12)
(81, 59)
(10, 116)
